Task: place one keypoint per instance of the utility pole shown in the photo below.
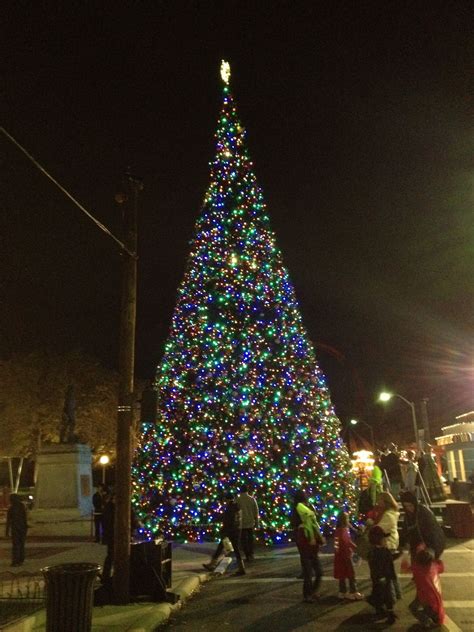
(128, 199)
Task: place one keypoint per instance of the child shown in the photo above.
(231, 521)
(343, 566)
(382, 574)
(427, 606)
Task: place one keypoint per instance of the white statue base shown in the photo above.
(64, 478)
(63, 494)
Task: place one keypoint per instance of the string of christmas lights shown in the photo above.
(241, 398)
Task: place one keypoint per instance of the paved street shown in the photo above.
(269, 598)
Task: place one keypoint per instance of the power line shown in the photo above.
(67, 194)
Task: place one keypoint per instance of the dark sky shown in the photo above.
(359, 124)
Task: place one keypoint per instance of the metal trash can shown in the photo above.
(69, 596)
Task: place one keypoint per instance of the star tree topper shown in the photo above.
(225, 71)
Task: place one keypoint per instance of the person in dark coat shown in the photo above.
(17, 526)
(108, 534)
(382, 574)
(98, 504)
(231, 525)
(420, 527)
(394, 471)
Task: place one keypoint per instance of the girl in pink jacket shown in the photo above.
(343, 566)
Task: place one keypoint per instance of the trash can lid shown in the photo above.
(72, 568)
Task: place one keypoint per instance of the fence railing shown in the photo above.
(20, 595)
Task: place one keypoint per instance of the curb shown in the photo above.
(162, 612)
(107, 618)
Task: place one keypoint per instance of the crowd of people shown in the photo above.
(373, 535)
(408, 470)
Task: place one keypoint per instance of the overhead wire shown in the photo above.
(67, 194)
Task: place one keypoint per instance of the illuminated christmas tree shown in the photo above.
(241, 398)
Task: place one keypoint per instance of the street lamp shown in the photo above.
(386, 397)
(354, 422)
(104, 460)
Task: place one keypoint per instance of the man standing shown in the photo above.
(108, 535)
(394, 471)
(249, 511)
(17, 526)
(98, 504)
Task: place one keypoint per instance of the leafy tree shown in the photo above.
(32, 392)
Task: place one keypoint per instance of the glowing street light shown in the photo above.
(104, 460)
(354, 422)
(386, 397)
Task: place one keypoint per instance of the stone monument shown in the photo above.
(63, 494)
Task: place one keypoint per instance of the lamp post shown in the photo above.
(104, 460)
(386, 397)
(354, 422)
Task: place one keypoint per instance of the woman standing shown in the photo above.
(387, 519)
(308, 541)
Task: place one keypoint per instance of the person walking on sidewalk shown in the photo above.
(17, 526)
(308, 541)
(344, 547)
(249, 514)
(230, 528)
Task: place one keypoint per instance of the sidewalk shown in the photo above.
(40, 552)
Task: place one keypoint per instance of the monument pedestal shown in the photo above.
(63, 494)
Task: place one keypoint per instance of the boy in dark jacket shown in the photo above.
(17, 526)
(382, 574)
(230, 529)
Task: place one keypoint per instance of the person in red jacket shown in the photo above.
(427, 606)
(343, 565)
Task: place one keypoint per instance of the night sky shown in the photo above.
(358, 121)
